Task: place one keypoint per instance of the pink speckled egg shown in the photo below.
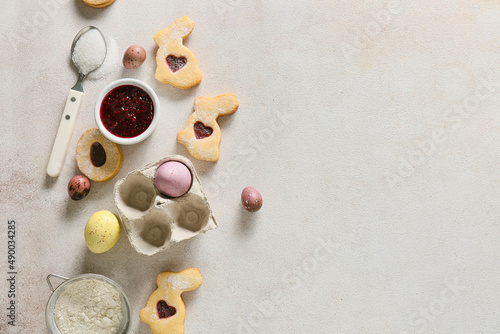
(134, 57)
(251, 199)
(173, 179)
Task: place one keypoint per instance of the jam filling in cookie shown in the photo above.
(175, 63)
(165, 310)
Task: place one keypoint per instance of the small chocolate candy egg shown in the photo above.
(251, 199)
(78, 187)
(134, 57)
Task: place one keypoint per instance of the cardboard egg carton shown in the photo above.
(153, 221)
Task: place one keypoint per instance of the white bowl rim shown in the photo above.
(123, 82)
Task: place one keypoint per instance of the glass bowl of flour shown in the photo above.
(85, 304)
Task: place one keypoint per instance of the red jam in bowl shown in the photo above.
(127, 111)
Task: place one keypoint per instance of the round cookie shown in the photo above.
(98, 3)
(97, 157)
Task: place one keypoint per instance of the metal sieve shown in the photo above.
(56, 292)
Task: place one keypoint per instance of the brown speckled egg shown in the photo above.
(78, 187)
(134, 57)
(251, 199)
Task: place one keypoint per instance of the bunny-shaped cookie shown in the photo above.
(165, 310)
(202, 134)
(175, 63)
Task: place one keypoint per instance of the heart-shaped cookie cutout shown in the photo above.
(176, 63)
(165, 310)
(201, 131)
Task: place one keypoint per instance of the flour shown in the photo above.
(88, 306)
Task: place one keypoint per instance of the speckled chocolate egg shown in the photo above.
(78, 187)
(251, 199)
(134, 57)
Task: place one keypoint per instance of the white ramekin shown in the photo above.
(149, 130)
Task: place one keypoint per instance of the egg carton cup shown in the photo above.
(153, 221)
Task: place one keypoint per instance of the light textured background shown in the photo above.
(371, 126)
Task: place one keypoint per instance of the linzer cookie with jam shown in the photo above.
(98, 3)
(176, 64)
(165, 311)
(202, 134)
(97, 157)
